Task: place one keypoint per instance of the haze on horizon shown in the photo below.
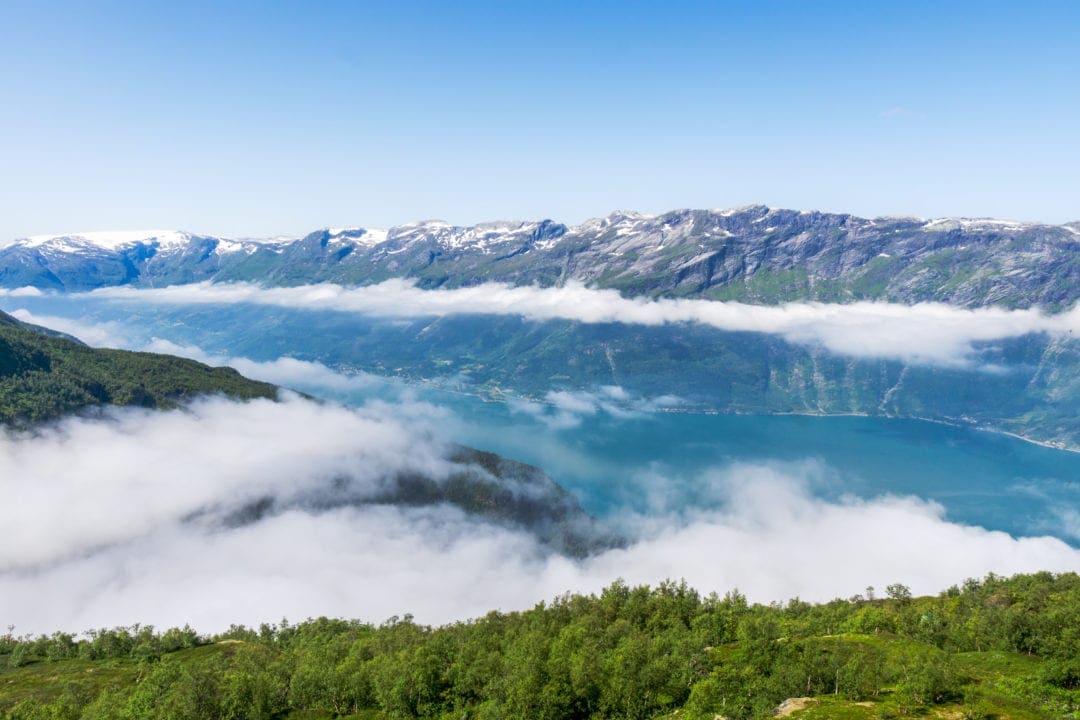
(251, 120)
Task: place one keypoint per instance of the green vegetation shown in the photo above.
(996, 648)
(764, 286)
(44, 375)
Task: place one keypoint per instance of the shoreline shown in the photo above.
(502, 396)
(498, 394)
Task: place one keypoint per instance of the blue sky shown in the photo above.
(264, 118)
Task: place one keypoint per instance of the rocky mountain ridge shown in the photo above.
(753, 254)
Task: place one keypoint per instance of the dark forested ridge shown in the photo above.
(991, 648)
(44, 375)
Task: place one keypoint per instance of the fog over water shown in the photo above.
(116, 520)
(120, 519)
(930, 333)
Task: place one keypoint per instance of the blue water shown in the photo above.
(981, 478)
(615, 463)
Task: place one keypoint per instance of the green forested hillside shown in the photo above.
(44, 375)
(996, 648)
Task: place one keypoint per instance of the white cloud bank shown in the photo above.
(564, 409)
(84, 484)
(96, 334)
(106, 523)
(924, 333)
(25, 291)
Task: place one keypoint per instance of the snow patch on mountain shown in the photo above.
(979, 224)
(369, 237)
(758, 253)
(110, 240)
(641, 230)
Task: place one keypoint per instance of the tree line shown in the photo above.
(627, 652)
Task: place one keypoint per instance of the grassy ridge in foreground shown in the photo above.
(44, 376)
(996, 648)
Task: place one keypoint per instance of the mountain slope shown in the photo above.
(44, 375)
(1028, 386)
(755, 254)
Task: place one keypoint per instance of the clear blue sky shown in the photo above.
(263, 118)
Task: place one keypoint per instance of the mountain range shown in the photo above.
(753, 254)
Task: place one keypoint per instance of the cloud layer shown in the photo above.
(118, 520)
(115, 523)
(137, 469)
(924, 333)
(564, 409)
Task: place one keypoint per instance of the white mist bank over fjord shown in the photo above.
(119, 520)
(929, 333)
(83, 484)
(119, 517)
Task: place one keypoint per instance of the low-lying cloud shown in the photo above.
(106, 524)
(95, 333)
(115, 520)
(285, 371)
(87, 483)
(27, 291)
(566, 409)
(930, 333)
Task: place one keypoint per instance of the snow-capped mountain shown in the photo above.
(756, 254)
(75, 242)
(120, 240)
